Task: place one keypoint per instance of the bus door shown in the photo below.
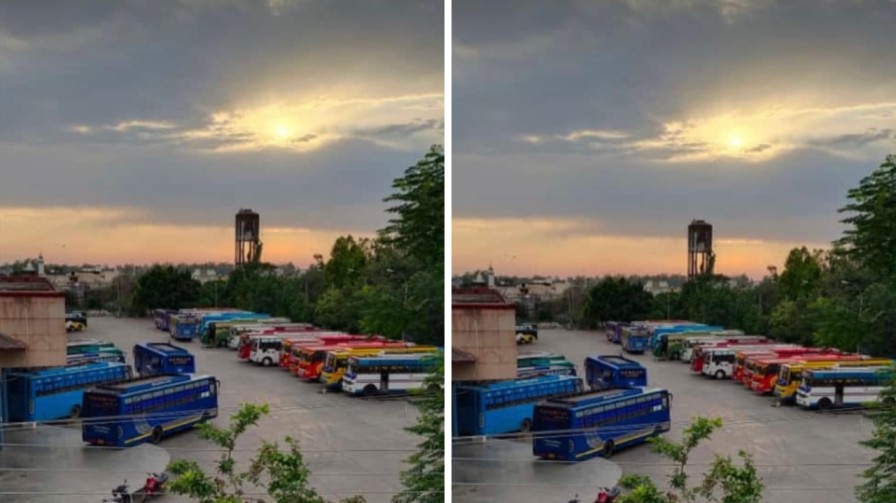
(384, 380)
(838, 394)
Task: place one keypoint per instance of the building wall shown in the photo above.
(39, 322)
(488, 334)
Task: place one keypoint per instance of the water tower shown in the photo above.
(248, 241)
(701, 258)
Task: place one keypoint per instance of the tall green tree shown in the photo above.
(165, 286)
(424, 481)
(418, 222)
(617, 299)
(802, 274)
(871, 236)
(880, 478)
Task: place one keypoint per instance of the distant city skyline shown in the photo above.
(134, 131)
(587, 135)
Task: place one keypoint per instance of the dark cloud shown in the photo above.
(115, 103)
(528, 75)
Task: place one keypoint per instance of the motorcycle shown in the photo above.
(154, 486)
(120, 494)
(604, 495)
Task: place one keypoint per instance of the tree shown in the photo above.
(617, 299)
(165, 286)
(872, 236)
(418, 226)
(348, 259)
(880, 485)
(724, 482)
(802, 272)
(283, 475)
(424, 482)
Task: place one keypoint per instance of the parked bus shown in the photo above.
(721, 363)
(766, 373)
(160, 318)
(843, 387)
(740, 357)
(337, 360)
(671, 346)
(690, 345)
(610, 371)
(634, 339)
(372, 375)
(224, 331)
(244, 351)
(790, 374)
(599, 422)
(614, 331)
(153, 358)
(507, 406)
(208, 317)
(77, 346)
(698, 350)
(752, 363)
(542, 363)
(147, 409)
(183, 326)
(113, 355)
(312, 358)
(326, 340)
(56, 393)
(659, 330)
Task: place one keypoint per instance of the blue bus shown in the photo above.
(634, 339)
(183, 326)
(56, 393)
(614, 331)
(598, 422)
(207, 318)
(507, 406)
(658, 334)
(115, 356)
(152, 358)
(610, 371)
(147, 409)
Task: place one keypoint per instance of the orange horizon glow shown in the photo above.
(116, 237)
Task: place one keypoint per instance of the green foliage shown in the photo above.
(871, 238)
(283, 475)
(880, 478)
(725, 482)
(617, 299)
(424, 482)
(165, 286)
(419, 223)
(802, 272)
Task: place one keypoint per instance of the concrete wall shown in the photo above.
(39, 322)
(490, 335)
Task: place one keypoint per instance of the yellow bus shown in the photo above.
(790, 374)
(337, 362)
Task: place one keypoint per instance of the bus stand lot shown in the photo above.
(802, 456)
(351, 445)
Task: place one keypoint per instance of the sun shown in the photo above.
(281, 132)
(735, 142)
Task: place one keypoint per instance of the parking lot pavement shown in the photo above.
(49, 464)
(802, 456)
(351, 445)
(504, 471)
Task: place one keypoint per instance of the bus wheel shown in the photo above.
(720, 374)
(75, 413)
(266, 362)
(156, 435)
(369, 390)
(609, 448)
(526, 425)
(824, 404)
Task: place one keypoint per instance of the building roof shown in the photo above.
(28, 286)
(8, 343)
(478, 298)
(461, 356)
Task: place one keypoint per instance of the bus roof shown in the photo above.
(849, 372)
(615, 361)
(399, 358)
(68, 370)
(594, 397)
(145, 383)
(162, 347)
(518, 383)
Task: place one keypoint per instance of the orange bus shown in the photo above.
(312, 358)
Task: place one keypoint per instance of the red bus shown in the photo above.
(766, 373)
(737, 374)
(312, 358)
(295, 350)
(733, 342)
(750, 363)
(246, 339)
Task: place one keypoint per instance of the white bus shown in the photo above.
(842, 387)
(387, 373)
(265, 349)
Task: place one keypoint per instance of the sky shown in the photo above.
(587, 135)
(133, 131)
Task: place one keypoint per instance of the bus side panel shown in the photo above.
(506, 419)
(21, 398)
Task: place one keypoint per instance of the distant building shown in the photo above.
(483, 336)
(205, 275)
